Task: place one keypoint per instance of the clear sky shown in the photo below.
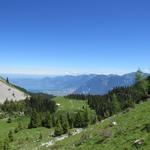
(74, 36)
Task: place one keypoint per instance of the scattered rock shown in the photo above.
(58, 104)
(114, 123)
(138, 142)
(60, 138)
(106, 133)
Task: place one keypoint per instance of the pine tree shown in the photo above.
(138, 76)
(142, 85)
(78, 120)
(86, 118)
(61, 119)
(53, 120)
(7, 80)
(129, 103)
(58, 129)
(48, 121)
(115, 104)
(65, 126)
(35, 120)
(70, 120)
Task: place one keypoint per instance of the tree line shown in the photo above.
(62, 122)
(42, 111)
(119, 99)
(39, 102)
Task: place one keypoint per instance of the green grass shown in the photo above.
(129, 129)
(69, 104)
(6, 127)
(28, 139)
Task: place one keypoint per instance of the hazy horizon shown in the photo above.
(22, 75)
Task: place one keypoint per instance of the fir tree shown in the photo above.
(129, 103)
(53, 120)
(115, 104)
(58, 129)
(7, 80)
(35, 120)
(86, 118)
(70, 120)
(142, 85)
(78, 120)
(65, 126)
(48, 121)
(138, 76)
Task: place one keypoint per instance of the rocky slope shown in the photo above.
(9, 92)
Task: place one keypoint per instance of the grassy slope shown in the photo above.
(129, 129)
(68, 104)
(25, 138)
(28, 139)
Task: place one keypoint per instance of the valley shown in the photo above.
(129, 128)
(118, 120)
(30, 138)
(74, 75)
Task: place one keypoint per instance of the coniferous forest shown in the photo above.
(42, 111)
(119, 99)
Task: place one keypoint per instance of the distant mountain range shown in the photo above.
(81, 84)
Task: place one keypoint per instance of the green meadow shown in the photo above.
(101, 136)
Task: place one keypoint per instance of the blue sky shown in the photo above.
(74, 36)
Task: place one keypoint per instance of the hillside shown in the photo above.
(10, 92)
(116, 121)
(28, 139)
(129, 128)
